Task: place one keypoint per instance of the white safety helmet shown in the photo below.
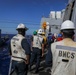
(67, 25)
(40, 31)
(21, 26)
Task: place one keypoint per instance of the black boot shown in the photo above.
(36, 71)
(30, 68)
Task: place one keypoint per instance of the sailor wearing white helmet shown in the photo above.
(64, 52)
(37, 49)
(20, 51)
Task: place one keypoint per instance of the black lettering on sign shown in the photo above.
(60, 53)
(66, 54)
(72, 55)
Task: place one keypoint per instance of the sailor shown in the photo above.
(45, 40)
(64, 52)
(20, 51)
(50, 39)
(59, 37)
(34, 34)
(55, 37)
(37, 49)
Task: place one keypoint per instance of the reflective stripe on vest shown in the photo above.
(65, 48)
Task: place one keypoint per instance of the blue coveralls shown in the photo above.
(20, 67)
(50, 40)
(48, 59)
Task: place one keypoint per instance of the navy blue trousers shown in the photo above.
(19, 67)
(36, 56)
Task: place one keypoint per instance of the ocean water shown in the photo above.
(28, 37)
(4, 54)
